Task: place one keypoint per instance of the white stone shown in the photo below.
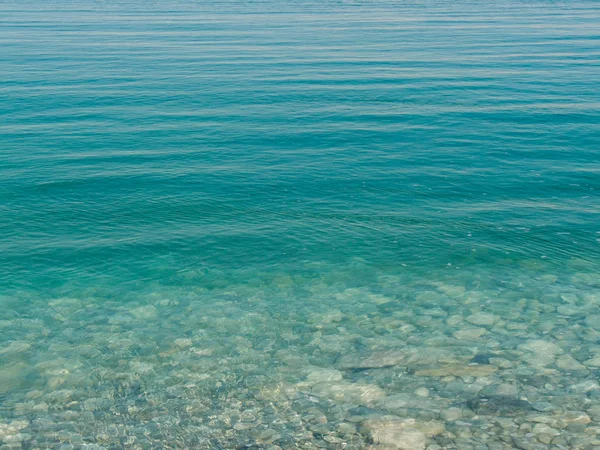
(400, 439)
(594, 411)
(503, 363)
(504, 389)
(278, 392)
(140, 367)
(11, 375)
(354, 393)
(540, 352)
(516, 326)
(575, 417)
(434, 312)
(8, 431)
(378, 359)
(567, 362)
(585, 386)
(402, 434)
(569, 298)
(567, 310)
(422, 392)
(334, 315)
(482, 319)
(144, 312)
(451, 414)
(457, 370)
(183, 342)
(593, 321)
(591, 299)
(403, 400)
(320, 375)
(542, 428)
(15, 347)
(451, 291)
(452, 321)
(593, 362)
(379, 299)
(470, 334)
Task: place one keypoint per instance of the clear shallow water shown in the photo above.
(313, 225)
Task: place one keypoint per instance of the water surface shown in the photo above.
(299, 224)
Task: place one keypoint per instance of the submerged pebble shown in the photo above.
(332, 381)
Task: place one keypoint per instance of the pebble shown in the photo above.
(10, 432)
(373, 360)
(585, 386)
(500, 389)
(575, 417)
(353, 393)
(422, 392)
(402, 400)
(539, 346)
(502, 363)
(240, 426)
(567, 310)
(348, 369)
(527, 443)
(499, 405)
(457, 370)
(144, 312)
(542, 428)
(399, 433)
(540, 352)
(451, 414)
(183, 342)
(14, 348)
(482, 319)
(322, 375)
(470, 334)
(594, 411)
(593, 362)
(567, 362)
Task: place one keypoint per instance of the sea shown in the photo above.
(300, 224)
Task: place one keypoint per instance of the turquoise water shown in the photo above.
(309, 225)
